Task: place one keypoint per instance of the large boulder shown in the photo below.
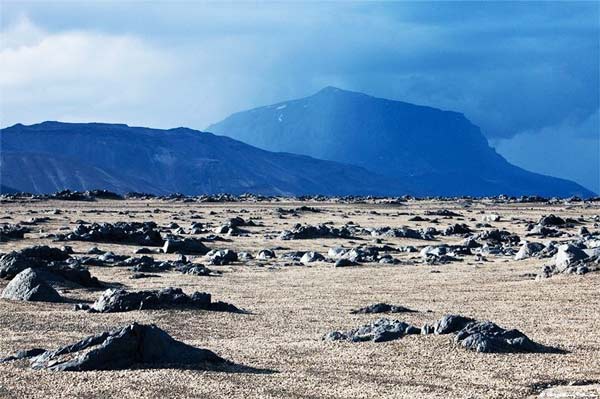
(343, 262)
(567, 255)
(312, 256)
(529, 249)
(572, 259)
(551, 220)
(185, 246)
(29, 285)
(488, 337)
(123, 348)
(451, 323)
(265, 254)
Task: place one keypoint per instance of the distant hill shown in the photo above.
(52, 156)
(432, 151)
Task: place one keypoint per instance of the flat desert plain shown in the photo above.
(292, 305)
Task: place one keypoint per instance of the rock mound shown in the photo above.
(486, 336)
(123, 348)
(29, 285)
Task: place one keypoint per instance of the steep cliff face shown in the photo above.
(435, 152)
(50, 156)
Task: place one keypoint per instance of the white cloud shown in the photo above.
(63, 73)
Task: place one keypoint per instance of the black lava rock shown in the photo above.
(123, 348)
(29, 285)
(382, 308)
(378, 331)
(119, 300)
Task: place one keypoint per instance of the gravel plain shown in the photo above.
(292, 307)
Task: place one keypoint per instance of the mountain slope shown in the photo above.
(52, 155)
(436, 152)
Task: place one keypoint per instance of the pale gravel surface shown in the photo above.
(294, 306)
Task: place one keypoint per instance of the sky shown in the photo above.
(527, 73)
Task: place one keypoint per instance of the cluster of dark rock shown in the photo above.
(135, 233)
(571, 259)
(457, 229)
(485, 337)
(381, 330)
(361, 254)
(221, 257)
(135, 345)
(405, 232)
(290, 258)
(12, 232)
(89, 195)
(382, 308)
(442, 212)
(303, 232)
(296, 211)
(443, 254)
(146, 264)
(53, 265)
(120, 300)
(233, 227)
(35, 221)
(498, 237)
(250, 197)
(549, 226)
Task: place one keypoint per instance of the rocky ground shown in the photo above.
(282, 290)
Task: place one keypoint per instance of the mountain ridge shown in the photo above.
(439, 151)
(52, 155)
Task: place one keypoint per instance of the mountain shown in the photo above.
(432, 151)
(52, 156)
